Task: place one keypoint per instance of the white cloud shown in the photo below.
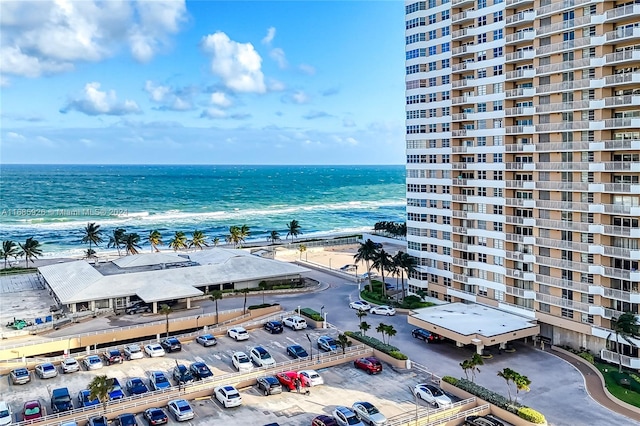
(237, 64)
(14, 135)
(278, 55)
(96, 102)
(220, 99)
(45, 37)
(300, 97)
(169, 98)
(307, 69)
(271, 33)
(276, 85)
(4, 81)
(347, 122)
(213, 113)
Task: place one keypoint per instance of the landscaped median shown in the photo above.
(387, 353)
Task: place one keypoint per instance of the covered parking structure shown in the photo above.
(474, 324)
(158, 277)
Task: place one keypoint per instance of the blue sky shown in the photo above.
(202, 82)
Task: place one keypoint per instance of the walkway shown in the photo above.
(595, 387)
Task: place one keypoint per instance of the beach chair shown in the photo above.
(39, 321)
(48, 318)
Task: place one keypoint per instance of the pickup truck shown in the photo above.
(61, 400)
(295, 322)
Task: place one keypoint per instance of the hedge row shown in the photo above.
(310, 313)
(496, 399)
(377, 344)
(264, 305)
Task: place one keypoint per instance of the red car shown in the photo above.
(371, 365)
(32, 410)
(287, 379)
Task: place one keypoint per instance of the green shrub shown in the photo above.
(587, 356)
(263, 305)
(310, 313)
(377, 344)
(486, 394)
(451, 380)
(398, 355)
(531, 415)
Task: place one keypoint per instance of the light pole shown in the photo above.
(310, 347)
(321, 310)
(197, 322)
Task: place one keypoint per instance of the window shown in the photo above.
(567, 313)
(433, 35)
(498, 70)
(482, 38)
(482, 21)
(498, 34)
(445, 47)
(497, 16)
(497, 52)
(497, 105)
(445, 31)
(444, 15)
(433, 19)
(445, 79)
(432, 50)
(445, 63)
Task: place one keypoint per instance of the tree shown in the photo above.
(508, 375)
(366, 253)
(360, 314)
(216, 295)
(132, 243)
(30, 250)
(244, 291)
(216, 241)
(245, 232)
(382, 261)
(9, 249)
(625, 327)
(166, 310)
(293, 229)
(179, 241)
(92, 234)
(198, 239)
(522, 384)
(344, 342)
(302, 249)
(364, 326)
(466, 367)
(116, 239)
(155, 239)
(470, 366)
(89, 253)
(263, 286)
(234, 236)
(273, 237)
(405, 263)
(382, 329)
(100, 388)
(390, 331)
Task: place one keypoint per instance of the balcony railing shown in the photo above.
(562, 186)
(510, 112)
(625, 296)
(520, 17)
(558, 282)
(628, 77)
(620, 57)
(520, 55)
(614, 358)
(521, 73)
(517, 3)
(564, 303)
(562, 166)
(563, 106)
(564, 86)
(619, 231)
(617, 273)
(622, 12)
(563, 66)
(561, 244)
(622, 34)
(462, 32)
(564, 264)
(562, 205)
(562, 224)
(565, 125)
(622, 166)
(563, 45)
(565, 25)
(559, 5)
(621, 122)
(520, 35)
(521, 92)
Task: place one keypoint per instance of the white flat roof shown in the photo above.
(473, 319)
(149, 259)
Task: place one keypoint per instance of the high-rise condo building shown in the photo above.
(523, 160)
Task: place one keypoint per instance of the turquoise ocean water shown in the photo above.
(53, 203)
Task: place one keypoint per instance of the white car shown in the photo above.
(295, 323)
(360, 305)
(310, 378)
(181, 410)
(238, 333)
(69, 365)
(228, 396)
(432, 394)
(6, 417)
(46, 370)
(241, 361)
(133, 352)
(92, 362)
(261, 357)
(383, 310)
(346, 417)
(154, 350)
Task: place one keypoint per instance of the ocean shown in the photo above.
(53, 203)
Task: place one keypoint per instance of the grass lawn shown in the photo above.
(17, 270)
(629, 394)
(411, 302)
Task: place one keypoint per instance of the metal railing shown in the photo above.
(429, 416)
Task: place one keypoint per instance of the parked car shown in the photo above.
(228, 396)
(112, 356)
(200, 371)
(171, 344)
(310, 378)
(238, 333)
(327, 344)
(383, 310)
(20, 376)
(6, 416)
(207, 340)
(84, 399)
(98, 421)
(371, 365)
(287, 379)
(241, 361)
(323, 420)
(61, 400)
(482, 421)
(346, 417)
(155, 416)
(360, 305)
(92, 362)
(158, 380)
(127, 419)
(132, 352)
(182, 375)
(432, 394)
(69, 365)
(427, 336)
(269, 385)
(135, 386)
(261, 357)
(154, 350)
(116, 390)
(181, 410)
(296, 351)
(137, 307)
(46, 370)
(295, 322)
(273, 327)
(368, 413)
(32, 410)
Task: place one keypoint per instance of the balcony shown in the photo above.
(460, 246)
(629, 11)
(520, 147)
(521, 202)
(621, 231)
(523, 184)
(459, 133)
(629, 77)
(568, 125)
(622, 57)
(620, 209)
(561, 225)
(564, 45)
(520, 55)
(622, 34)
(618, 273)
(461, 50)
(467, 82)
(568, 25)
(625, 296)
(510, 112)
(519, 220)
(563, 66)
(461, 34)
(564, 303)
(622, 166)
(564, 264)
(562, 205)
(467, 15)
(520, 18)
(562, 166)
(563, 146)
(614, 357)
(459, 230)
(517, 3)
(625, 100)
(521, 92)
(612, 313)
(461, 100)
(618, 252)
(520, 292)
(564, 106)
(562, 186)
(521, 74)
(564, 245)
(615, 123)
(561, 283)
(559, 5)
(520, 130)
(519, 36)
(565, 86)
(461, 3)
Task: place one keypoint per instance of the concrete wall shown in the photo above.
(574, 339)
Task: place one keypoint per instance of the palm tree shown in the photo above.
(30, 249)
(9, 249)
(244, 291)
(273, 237)
(406, 263)
(92, 234)
(216, 295)
(155, 239)
(234, 236)
(508, 375)
(466, 367)
(366, 252)
(293, 229)
(522, 384)
(198, 240)
(625, 326)
(382, 329)
(116, 239)
(360, 314)
(344, 342)
(216, 241)
(179, 241)
(302, 249)
(245, 232)
(382, 261)
(100, 388)
(89, 253)
(390, 331)
(166, 310)
(132, 243)
(364, 326)
(470, 366)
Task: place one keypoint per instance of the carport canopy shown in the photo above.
(474, 324)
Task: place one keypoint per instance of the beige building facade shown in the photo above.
(523, 160)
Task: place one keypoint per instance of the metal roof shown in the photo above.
(149, 259)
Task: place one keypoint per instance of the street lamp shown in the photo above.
(321, 310)
(197, 322)
(310, 347)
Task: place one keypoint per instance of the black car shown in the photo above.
(269, 385)
(427, 336)
(126, 420)
(155, 416)
(112, 356)
(296, 351)
(181, 374)
(200, 371)
(273, 327)
(171, 344)
(137, 307)
(98, 421)
(482, 421)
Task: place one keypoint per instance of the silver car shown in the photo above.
(69, 365)
(181, 410)
(368, 413)
(92, 362)
(46, 370)
(133, 352)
